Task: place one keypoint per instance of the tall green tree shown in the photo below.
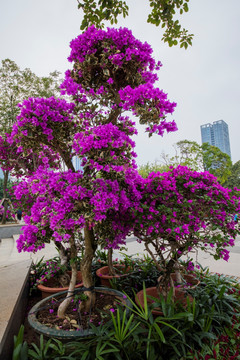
(15, 86)
(146, 169)
(187, 153)
(233, 180)
(200, 158)
(216, 162)
(164, 13)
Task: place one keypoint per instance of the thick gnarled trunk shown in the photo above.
(165, 281)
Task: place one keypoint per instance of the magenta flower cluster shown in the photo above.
(107, 55)
(101, 139)
(126, 47)
(37, 112)
(147, 94)
(184, 209)
(54, 209)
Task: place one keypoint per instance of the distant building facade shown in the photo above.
(77, 163)
(217, 134)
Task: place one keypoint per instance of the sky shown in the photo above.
(203, 80)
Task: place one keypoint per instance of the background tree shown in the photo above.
(200, 157)
(163, 13)
(233, 181)
(15, 86)
(187, 153)
(9, 186)
(216, 162)
(145, 170)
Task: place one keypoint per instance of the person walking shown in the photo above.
(19, 214)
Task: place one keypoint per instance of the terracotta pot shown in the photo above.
(180, 296)
(47, 290)
(103, 274)
(190, 281)
(63, 334)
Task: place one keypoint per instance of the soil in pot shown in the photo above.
(103, 274)
(52, 285)
(43, 316)
(180, 296)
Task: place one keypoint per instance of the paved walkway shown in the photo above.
(9, 254)
(232, 267)
(7, 231)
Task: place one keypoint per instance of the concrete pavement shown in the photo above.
(232, 267)
(7, 231)
(14, 274)
(9, 255)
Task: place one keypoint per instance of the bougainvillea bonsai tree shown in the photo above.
(182, 210)
(113, 76)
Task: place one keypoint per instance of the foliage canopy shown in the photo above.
(162, 13)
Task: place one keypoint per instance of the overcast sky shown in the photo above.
(204, 80)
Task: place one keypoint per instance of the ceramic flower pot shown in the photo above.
(48, 290)
(189, 281)
(103, 274)
(63, 334)
(180, 296)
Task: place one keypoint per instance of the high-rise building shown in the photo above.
(217, 134)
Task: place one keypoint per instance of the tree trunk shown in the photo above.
(165, 281)
(5, 202)
(86, 269)
(63, 254)
(63, 306)
(111, 269)
(64, 279)
(178, 273)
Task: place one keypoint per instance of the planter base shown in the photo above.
(103, 274)
(47, 290)
(63, 334)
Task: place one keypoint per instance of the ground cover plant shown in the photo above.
(208, 328)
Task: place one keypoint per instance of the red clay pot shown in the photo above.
(103, 274)
(179, 296)
(47, 290)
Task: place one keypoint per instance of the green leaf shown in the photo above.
(185, 7)
(159, 331)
